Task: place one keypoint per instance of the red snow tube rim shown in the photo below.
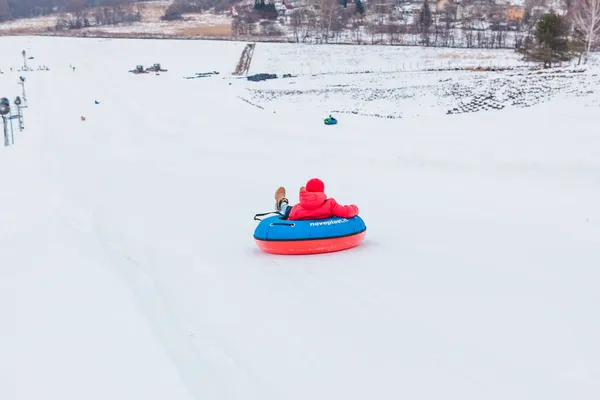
(311, 246)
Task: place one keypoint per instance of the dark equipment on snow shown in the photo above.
(202, 75)
(264, 77)
(261, 77)
(139, 70)
(156, 68)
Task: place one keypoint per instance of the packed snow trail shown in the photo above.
(477, 277)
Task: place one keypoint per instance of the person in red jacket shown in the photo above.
(314, 204)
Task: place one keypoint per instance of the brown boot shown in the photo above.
(279, 198)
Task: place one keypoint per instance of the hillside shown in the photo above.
(128, 267)
(467, 23)
(150, 24)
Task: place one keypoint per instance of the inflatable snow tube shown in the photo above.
(330, 121)
(279, 236)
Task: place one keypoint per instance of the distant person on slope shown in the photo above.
(314, 204)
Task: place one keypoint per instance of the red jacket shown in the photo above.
(316, 205)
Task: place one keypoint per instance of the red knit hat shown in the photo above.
(315, 185)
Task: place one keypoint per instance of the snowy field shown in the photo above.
(418, 94)
(128, 268)
(311, 59)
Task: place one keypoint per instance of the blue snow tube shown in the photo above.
(280, 236)
(330, 121)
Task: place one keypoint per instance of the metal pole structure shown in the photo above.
(22, 83)
(6, 143)
(21, 122)
(20, 113)
(12, 131)
(10, 118)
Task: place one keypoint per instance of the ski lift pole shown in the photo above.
(21, 121)
(20, 113)
(12, 132)
(6, 142)
(22, 83)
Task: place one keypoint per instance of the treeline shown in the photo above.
(12, 9)
(329, 21)
(477, 25)
(78, 16)
(180, 7)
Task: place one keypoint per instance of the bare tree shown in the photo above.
(269, 28)
(467, 22)
(587, 20)
(498, 26)
(337, 24)
(329, 10)
(357, 23)
(296, 24)
(380, 11)
(310, 25)
(236, 26)
(393, 28)
(76, 17)
(425, 21)
(449, 22)
(302, 22)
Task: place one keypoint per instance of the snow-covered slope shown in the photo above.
(129, 269)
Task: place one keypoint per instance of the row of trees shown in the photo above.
(10, 9)
(79, 17)
(380, 22)
(329, 20)
(178, 8)
(324, 21)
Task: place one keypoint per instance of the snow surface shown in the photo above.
(311, 59)
(128, 268)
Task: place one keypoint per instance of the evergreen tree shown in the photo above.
(551, 41)
(578, 45)
(266, 10)
(360, 8)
